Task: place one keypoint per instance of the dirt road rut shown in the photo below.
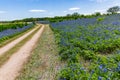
(10, 70)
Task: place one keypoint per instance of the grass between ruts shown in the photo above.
(15, 37)
(6, 56)
(44, 62)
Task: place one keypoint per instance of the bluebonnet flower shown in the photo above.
(118, 67)
(105, 70)
(108, 78)
(99, 78)
(62, 79)
(118, 51)
(101, 66)
(92, 71)
(82, 68)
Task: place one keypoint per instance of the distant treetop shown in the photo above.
(113, 10)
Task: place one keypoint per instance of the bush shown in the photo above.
(102, 69)
(73, 71)
(100, 19)
(88, 55)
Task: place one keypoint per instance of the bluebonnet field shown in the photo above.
(7, 33)
(91, 47)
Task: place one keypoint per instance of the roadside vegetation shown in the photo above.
(4, 26)
(3, 43)
(9, 30)
(44, 62)
(6, 55)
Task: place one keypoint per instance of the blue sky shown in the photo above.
(19, 9)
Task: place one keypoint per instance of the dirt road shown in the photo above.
(14, 42)
(10, 70)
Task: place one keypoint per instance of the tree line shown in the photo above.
(112, 10)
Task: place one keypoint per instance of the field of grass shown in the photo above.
(91, 47)
(44, 63)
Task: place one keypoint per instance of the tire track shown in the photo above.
(14, 42)
(10, 70)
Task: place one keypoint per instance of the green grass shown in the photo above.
(44, 63)
(6, 56)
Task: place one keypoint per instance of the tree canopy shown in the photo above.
(113, 10)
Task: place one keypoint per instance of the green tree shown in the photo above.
(113, 10)
(76, 14)
(97, 14)
(68, 15)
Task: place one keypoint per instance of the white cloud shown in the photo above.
(112, 1)
(101, 11)
(74, 9)
(37, 11)
(116, 3)
(2, 12)
(64, 11)
(99, 1)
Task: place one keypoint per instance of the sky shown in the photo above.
(19, 9)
